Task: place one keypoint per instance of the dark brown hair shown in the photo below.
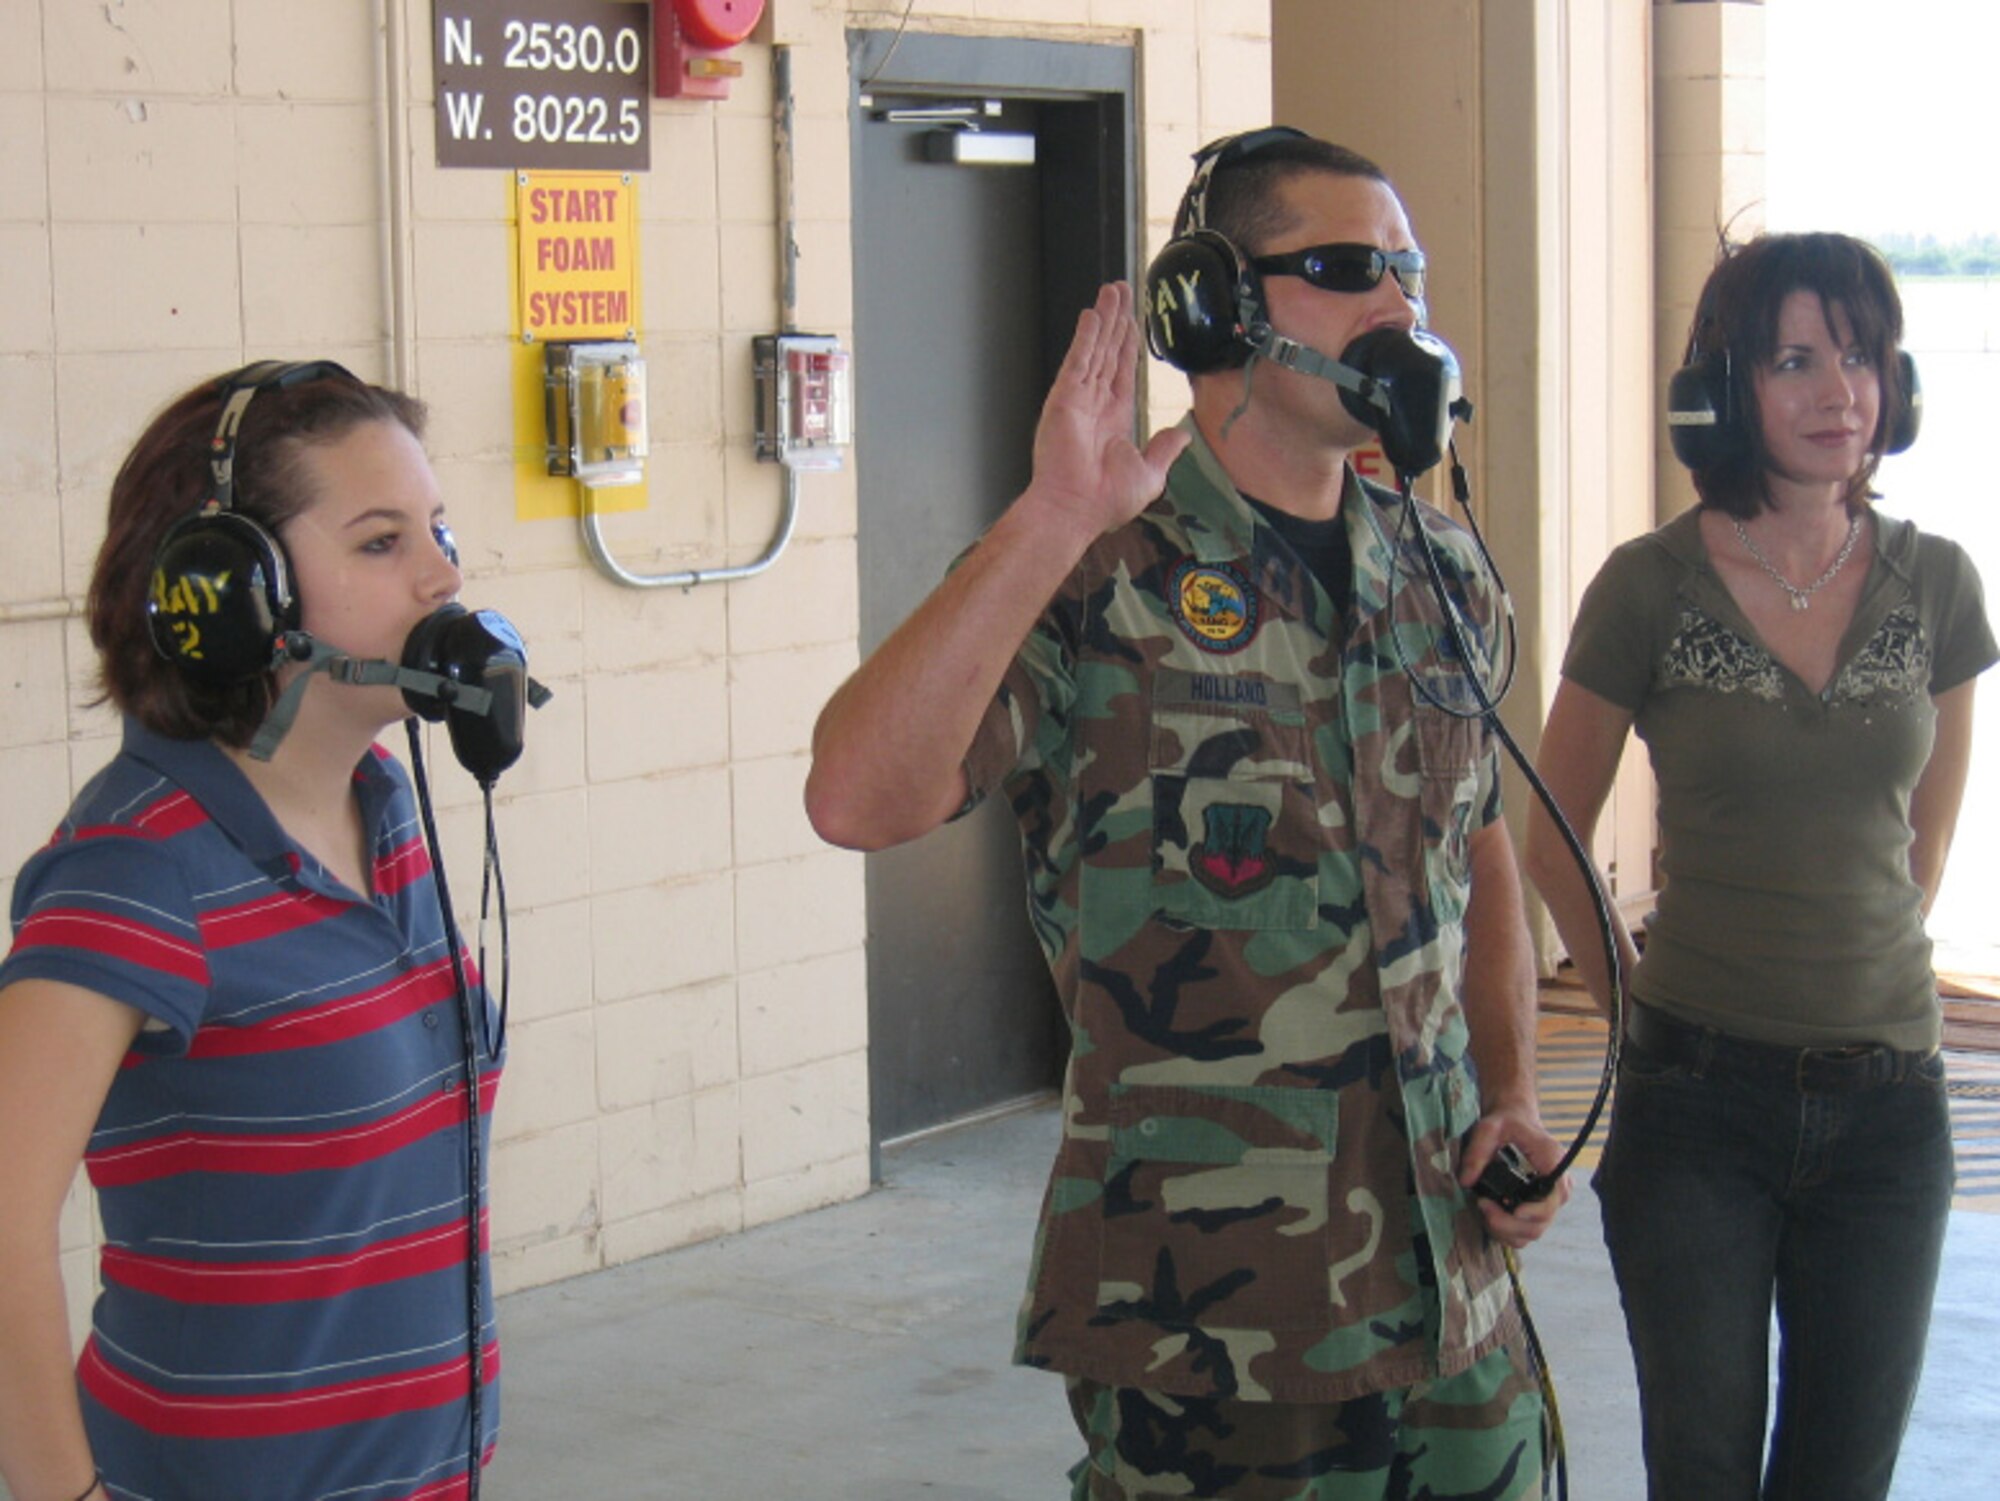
(1737, 319)
(1243, 203)
(166, 477)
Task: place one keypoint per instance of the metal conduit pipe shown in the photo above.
(788, 250)
(392, 124)
(600, 554)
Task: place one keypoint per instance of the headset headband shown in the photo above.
(238, 390)
(220, 604)
(1193, 212)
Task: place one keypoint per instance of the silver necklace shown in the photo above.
(1802, 598)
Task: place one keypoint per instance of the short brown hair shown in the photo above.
(1737, 318)
(166, 477)
(1243, 202)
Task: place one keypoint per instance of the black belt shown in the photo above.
(1811, 1070)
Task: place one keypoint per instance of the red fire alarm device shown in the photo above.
(692, 42)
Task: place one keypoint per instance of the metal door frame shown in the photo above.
(1088, 187)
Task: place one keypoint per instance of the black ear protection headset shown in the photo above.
(222, 608)
(1709, 428)
(221, 602)
(1204, 300)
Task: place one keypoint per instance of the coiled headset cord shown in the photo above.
(1485, 705)
(475, 1027)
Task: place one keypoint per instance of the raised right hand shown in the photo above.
(1088, 472)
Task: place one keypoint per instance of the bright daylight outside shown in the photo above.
(1877, 121)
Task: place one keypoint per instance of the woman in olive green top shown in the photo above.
(1801, 670)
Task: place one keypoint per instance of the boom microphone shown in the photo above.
(456, 655)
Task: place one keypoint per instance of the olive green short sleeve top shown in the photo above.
(1787, 912)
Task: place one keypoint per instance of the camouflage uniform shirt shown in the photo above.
(1246, 840)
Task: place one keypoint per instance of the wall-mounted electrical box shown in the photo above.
(805, 400)
(595, 396)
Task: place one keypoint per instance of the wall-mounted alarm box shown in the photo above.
(805, 400)
(694, 42)
(596, 400)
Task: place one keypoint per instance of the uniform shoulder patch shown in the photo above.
(1213, 604)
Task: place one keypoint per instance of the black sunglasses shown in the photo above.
(1348, 268)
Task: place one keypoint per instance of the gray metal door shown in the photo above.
(963, 275)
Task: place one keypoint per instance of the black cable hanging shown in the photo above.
(475, 1026)
(1486, 707)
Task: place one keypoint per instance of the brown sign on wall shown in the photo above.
(560, 84)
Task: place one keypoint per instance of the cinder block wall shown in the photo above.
(186, 185)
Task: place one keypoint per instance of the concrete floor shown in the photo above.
(862, 1352)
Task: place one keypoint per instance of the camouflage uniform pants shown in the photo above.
(1477, 1436)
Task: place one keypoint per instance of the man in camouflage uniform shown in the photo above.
(1281, 913)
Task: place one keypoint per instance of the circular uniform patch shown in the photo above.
(1214, 605)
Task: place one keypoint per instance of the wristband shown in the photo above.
(96, 1480)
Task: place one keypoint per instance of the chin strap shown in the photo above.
(1266, 343)
(371, 672)
(1293, 355)
(357, 672)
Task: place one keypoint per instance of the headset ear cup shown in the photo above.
(1198, 294)
(221, 599)
(1906, 415)
(1702, 422)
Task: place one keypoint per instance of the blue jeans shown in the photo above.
(1723, 1192)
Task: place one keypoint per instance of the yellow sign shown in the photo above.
(577, 256)
(576, 277)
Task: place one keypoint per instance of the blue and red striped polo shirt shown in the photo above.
(281, 1162)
